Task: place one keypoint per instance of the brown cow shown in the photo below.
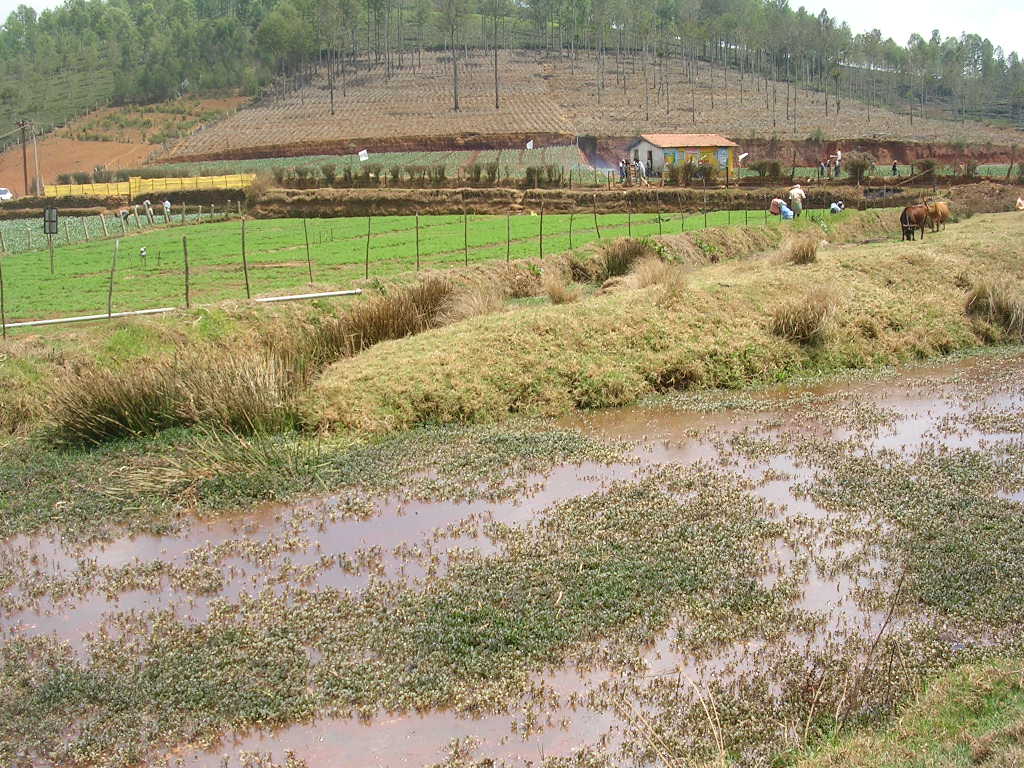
(938, 213)
(913, 217)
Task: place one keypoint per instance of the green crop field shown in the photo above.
(276, 256)
(512, 163)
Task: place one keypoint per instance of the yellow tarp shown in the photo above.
(136, 186)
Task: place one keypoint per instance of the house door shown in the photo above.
(650, 161)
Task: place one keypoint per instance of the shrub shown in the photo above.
(302, 172)
(395, 172)
(329, 173)
(801, 249)
(476, 171)
(925, 165)
(533, 175)
(82, 177)
(280, 174)
(998, 303)
(64, 178)
(817, 136)
(491, 171)
(859, 165)
(707, 172)
(768, 168)
(101, 175)
(805, 319)
(438, 174)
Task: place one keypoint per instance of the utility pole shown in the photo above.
(23, 125)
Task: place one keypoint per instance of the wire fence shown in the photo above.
(238, 259)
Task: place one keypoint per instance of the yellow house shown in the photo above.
(660, 149)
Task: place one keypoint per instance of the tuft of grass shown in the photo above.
(801, 249)
(242, 390)
(997, 302)
(473, 300)
(616, 257)
(558, 289)
(653, 271)
(805, 319)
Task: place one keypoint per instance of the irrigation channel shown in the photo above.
(838, 588)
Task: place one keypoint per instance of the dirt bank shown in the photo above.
(280, 203)
(444, 143)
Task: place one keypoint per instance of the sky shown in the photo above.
(1001, 21)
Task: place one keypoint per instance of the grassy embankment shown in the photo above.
(868, 305)
(970, 717)
(277, 257)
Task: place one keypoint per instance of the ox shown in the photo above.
(913, 217)
(938, 213)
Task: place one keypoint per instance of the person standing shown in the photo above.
(796, 200)
(622, 171)
(895, 169)
(839, 162)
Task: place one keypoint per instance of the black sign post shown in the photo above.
(50, 229)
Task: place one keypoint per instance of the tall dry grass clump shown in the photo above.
(801, 249)
(558, 289)
(805, 319)
(472, 300)
(616, 257)
(399, 313)
(998, 302)
(245, 390)
(242, 390)
(653, 271)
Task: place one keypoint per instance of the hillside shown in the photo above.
(550, 99)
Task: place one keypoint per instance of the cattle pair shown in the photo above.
(915, 217)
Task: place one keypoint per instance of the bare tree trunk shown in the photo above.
(455, 70)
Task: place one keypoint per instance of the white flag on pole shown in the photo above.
(363, 156)
(529, 144)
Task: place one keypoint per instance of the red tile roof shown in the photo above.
(670, 140)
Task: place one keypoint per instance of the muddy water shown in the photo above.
(905, 412)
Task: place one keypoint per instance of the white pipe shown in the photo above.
(84, 318)
(269, 299)
(162, 310)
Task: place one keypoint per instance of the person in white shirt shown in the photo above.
(796, 199)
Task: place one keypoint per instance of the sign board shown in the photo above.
(529, 144)
(364, 155)
(49, 221)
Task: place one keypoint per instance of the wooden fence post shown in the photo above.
(657, 197)
(85, 229)
(29, 230)
(3, 245)
(309, 260)
(682, 216)
(596, 227)
(542, 228)
(417, 240)
(110, 287)
(705, 202)
(245, 263)
(103, 222)
(138, 223)
(508, 236)
(3, 309)
(629, 218)
(571, 215)
(465, 231)
(188, 298)
(369, 219)
(49, 242)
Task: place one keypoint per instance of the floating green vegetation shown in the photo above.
(615, 564)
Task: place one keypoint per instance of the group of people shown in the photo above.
(831, 166)
(795, 207)
(630, 169)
